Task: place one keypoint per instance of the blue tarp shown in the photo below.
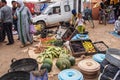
(115, 34)
(80, 37)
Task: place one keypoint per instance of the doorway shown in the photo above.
(79, 5)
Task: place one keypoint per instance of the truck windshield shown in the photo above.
(47, 10)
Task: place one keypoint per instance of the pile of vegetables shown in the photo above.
(62, 63)
(39, 49)
(89, 47)
(51, 52)
(77, 46)
(101, 46)
(65, 62)
(45, 41)
(58, 43)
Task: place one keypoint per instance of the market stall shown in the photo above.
(66, 51)
(71, 57)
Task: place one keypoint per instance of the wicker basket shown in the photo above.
(89, 68)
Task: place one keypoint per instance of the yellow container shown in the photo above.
(38, 27)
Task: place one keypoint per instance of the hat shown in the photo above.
(73, 11)
(20, 2)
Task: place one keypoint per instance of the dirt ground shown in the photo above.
(99, 33)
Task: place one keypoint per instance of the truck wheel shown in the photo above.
(42, 24)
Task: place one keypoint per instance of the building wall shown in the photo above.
(95, 11)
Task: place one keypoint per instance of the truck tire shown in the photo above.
(43, 25)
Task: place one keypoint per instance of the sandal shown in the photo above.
(22, 46)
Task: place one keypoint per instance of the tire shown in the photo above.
(42, 24)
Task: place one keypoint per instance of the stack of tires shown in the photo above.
(110, 66)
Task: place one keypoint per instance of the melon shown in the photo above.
(72, 60)
(63, 63)
(46, 66)
(48, 60)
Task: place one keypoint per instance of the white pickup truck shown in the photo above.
(57, 12)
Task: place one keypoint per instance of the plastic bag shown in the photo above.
(32, 29)
(39, 75)
(81, 29)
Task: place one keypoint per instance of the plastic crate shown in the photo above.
(73, 34)
(101, 46)
(69, 34)
(77, 48)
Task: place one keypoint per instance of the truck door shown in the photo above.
(66, 12)
(54, 16)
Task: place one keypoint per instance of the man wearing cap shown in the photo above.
(6, 17)
(74, 17)
(117, 26)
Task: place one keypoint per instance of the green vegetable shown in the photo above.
(63, 63)
(51, 52)
(48, 60)
(72, 60)
(64, 56)
(58, 43)
(46, 66)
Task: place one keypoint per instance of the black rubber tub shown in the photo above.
(25, 64)
(113, 56)
(17, 75)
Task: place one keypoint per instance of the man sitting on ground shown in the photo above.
(117, 26)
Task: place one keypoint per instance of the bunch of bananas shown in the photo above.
(89, 47)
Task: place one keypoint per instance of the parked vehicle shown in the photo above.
(57, 12)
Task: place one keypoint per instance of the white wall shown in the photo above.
(9, 1)
(55, 0)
